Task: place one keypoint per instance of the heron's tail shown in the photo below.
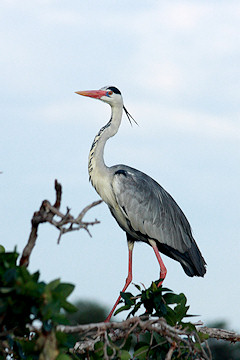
(192, 261)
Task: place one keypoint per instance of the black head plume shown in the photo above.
(114, 89)
(129, 116)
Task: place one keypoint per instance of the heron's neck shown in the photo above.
(96, 166)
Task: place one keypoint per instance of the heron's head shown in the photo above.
(108, 94)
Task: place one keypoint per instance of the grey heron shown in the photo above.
(141, 207)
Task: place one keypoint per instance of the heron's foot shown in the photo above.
(162, 277)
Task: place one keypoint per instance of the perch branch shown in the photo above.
(117, 331)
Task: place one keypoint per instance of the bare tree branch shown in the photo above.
(171, 351)
(67, 222)
(135, 325)
(220, 334)
(121, 330)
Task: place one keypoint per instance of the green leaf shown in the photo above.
(10, 275)
(66, 340)
(145, 337)
(171, 316)
(136, 308)
(189, 327)
(154, 286)
(171, 298)
(159, 339)
(181, 311)
(161, 311)
(98, 347)
(50, 309)
(35, 276)
(137, 286)
(109, 351)
(140, 354)
(166, 289)
(127, 298)
(31, 288)
(8, 260)
(2, 249)
(128, 343)
(148, 293)
(125, 355)
(53, 284)
(63, 357)
(202, 336)
(122, 308)
(183, 298)
(69, 307)
(64, 289)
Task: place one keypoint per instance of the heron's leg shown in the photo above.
(128, 279)
(163, 270)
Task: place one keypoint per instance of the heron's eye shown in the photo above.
(109, 93)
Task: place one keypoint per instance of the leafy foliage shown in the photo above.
(159, 302)
(151, 344)
(30, 310)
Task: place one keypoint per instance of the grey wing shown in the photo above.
(150, 211)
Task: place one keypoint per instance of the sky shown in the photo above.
(177, 66)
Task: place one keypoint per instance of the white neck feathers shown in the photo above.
(97, 169)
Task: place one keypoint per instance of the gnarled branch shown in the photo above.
(220, 334)
(47, 213)
(135, 325)
(121, 330)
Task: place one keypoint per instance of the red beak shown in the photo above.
(96, 94)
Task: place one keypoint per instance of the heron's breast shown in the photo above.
(104, 188)
(103, 185)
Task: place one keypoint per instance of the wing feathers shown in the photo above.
(151, 210)
(152, 213)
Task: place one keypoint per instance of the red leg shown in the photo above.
(128, 279)
(163, 270)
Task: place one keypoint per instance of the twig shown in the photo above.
(46, 213)
(85, 210)
(220, 334)
(171, 351)
(68, 219)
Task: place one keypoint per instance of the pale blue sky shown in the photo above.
(177, 65)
